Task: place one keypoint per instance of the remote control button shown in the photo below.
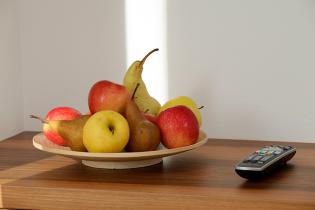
(269, 153)
(250, 157)
(277, 151)
(277, 148)
(260, 162)
(287, 147)
(258, 157)
(266, 158)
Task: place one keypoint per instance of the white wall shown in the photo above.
(66, 46)
(251, 63)
(11, 107)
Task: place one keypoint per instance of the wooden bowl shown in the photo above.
(121, 160)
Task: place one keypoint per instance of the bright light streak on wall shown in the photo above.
(146, 30)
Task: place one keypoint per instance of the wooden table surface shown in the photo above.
(199, 179)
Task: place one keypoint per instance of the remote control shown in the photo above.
(264, 161)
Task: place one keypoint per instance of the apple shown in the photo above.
(179, 127)
(59, 113)
(150, 117)
(106, 131)
(106, 95)
(186, 101)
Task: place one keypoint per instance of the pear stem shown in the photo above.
(201, 107)
(38, 118)
(147, 55)
(135, 90)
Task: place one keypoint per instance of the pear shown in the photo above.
(70, 130)
(144, 135)
(142, 97)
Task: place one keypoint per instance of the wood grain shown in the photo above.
(199, 179)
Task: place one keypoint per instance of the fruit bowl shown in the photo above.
(122, 160)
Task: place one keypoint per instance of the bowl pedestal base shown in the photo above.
(121, 164)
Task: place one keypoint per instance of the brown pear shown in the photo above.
(144, 135)
(70, 130)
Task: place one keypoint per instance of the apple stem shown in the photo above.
(134, 92)
(38, 118)
(201, 107)
(112, 130)
(147, 55)
(146, 111)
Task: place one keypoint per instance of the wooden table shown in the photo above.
(199, 179)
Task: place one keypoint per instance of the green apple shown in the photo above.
(185, 101)
(106, 131)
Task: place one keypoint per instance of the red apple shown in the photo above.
(179, 127)
(106, 95)
(151, 118)
(59, 113)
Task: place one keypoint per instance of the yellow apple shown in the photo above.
(106, 131)
(185, 101)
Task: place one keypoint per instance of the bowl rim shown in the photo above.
(65, 151)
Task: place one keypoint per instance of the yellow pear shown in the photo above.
(145, 102)
(185, 101)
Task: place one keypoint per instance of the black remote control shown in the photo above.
(264, 161)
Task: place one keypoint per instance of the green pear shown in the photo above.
(142, 98)
(70, 130)
(144, 135)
